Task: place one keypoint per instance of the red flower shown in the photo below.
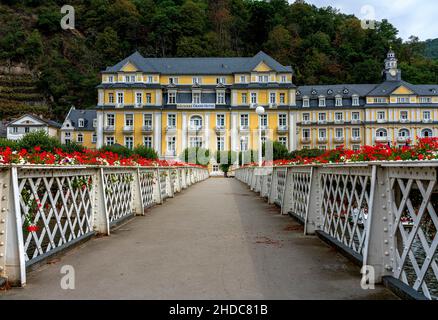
(37, 149)
(32, 228)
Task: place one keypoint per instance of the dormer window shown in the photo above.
(173, 80)
(242, 79)
(94, 123)
(283, 79)
(220, 80)
(338, 101)
(355, 101)
(314, 92)
(110, 79)
(81, 123)
(345, 91)
(306, 102)
(321, 101)
(150, 79)
(196, 97)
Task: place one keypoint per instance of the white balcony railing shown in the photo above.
(195, 105)
(381, 139)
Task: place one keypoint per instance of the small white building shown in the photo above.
(16, 129)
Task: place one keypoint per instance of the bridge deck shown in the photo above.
(216, 240)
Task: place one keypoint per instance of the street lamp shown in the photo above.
(260, 111)
(242, 139)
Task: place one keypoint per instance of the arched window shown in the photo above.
(404, 133)
(426, 133)
(196, 122)
(381, 133)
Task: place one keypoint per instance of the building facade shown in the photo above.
(80, 126)
(170, 104)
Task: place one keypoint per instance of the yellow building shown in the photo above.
(80, 126)
(352, 115)
(173, 103)
(170, 104)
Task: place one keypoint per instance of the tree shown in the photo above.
(226, 159)
(196, 155)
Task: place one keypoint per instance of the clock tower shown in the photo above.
(391, 72)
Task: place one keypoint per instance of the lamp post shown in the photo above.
(260, 111)
(242, 139)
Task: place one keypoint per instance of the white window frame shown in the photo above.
(220, 120)
(306, 102)
(149, 144)
(171, 97)
(220, 97)
(321, 102)
(171, 117)
(80, 138)
(81, 123)
(244, 97)
(220, 143)
(282, 117)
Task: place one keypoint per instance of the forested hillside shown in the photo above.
(431, 49)
(322, 44)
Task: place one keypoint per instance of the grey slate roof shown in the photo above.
(88, 115)
(50, 123)
(387, 87)
(210, 65)
(337, 89)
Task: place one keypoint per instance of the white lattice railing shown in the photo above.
(383, 214)
(45, 209)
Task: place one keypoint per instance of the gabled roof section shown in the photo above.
(37, 119)
(206, 65)
(88, 115)
(388, 87)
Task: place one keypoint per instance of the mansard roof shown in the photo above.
(205, 65)
(87, 114)
(344, 90)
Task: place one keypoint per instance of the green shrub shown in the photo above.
(145, 152)
(279, 151)
(119, 149)
(196, 155)
(309, 153)
(8, 143)
(39, 138)
(225, 159)
(72, 147)
(247, 156)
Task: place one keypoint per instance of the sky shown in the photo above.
(410, 17)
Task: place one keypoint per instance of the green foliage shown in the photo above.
(145, 152)
(72, 147)
(322, 44)
(226, 159)
(279, 151)
(118, 149)
(431, 49)
(305, 153)
(4, 143)
(247, 156)
(196, 155)
(41, 139)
